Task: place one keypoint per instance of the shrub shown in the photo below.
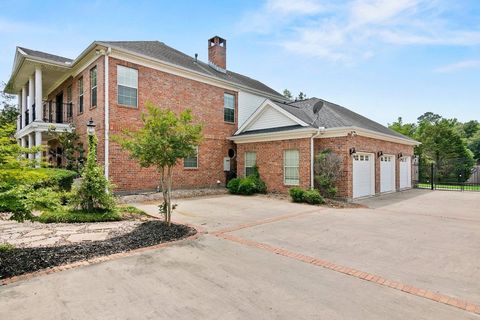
(306, 196)
(37, 178)
(247, 186)
(313, 197)
(328, 169)
(297, 194)
(6, 247)
(232, 185)
(77, 216)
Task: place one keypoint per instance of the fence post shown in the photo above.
(431, 176)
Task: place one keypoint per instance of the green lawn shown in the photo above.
(450, 187)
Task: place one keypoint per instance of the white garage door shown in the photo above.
(363, 175)
(405, 173)
(387, 173)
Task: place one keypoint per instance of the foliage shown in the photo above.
(313, 197)
(8, 111)
(64, 215)
(296, 193)
(36, 178)
(131, 210)
(94, 191)
(300, 195)
(162, 141)
(6, 247)
(249, 185)
(474, 145)
(407, 129)
(301, 96)
(327, 169)
(287, 94)
(72, 149)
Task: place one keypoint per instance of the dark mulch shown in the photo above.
(24, 260)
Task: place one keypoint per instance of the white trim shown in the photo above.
(268, 103)
(274, 136)
(43, 127)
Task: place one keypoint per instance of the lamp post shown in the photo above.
(91, 127)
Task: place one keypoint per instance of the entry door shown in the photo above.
(59, 108)
(387, 173)
(405, 173)
(363, 175)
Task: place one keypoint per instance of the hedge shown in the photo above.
(37, 178)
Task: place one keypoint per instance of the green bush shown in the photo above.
(297, 194)
(306, 196)
(37, 178)
(6, 247)
(232, 185)
(247, 186)
(313, 197)
(77, 216)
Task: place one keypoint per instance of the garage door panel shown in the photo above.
(363, 179)
(387, 173)
(405, 173)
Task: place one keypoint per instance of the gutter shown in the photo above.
(312, 156)
(107, 113)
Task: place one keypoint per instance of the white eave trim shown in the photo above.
(344, 131)
(275, 136)
(268, 103)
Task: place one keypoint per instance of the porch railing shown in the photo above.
(57, 112)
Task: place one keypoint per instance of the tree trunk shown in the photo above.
(169, 192)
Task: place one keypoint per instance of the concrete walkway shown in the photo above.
(268, 259)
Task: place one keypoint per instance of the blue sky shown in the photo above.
(383, 59)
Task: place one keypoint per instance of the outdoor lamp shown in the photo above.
(400, 155)
(379, 154)
(352, 151)
(90, 127)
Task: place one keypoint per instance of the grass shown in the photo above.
(65, 215)
(6, 247)
(450, 186)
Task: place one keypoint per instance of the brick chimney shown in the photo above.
(217, 52)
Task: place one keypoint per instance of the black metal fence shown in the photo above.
(57, 112)
(447, 174)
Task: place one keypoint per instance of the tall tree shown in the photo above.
(301, 96)
(287, 94)
(8, 110)
(407, 129)
(163, 140)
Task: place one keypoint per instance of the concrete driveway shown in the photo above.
(270, 259)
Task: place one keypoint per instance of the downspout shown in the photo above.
(107, 112)
(320, 130)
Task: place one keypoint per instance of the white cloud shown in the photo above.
(356, 29)
(460, 65)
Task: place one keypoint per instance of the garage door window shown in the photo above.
(291, 170)
(250, 162)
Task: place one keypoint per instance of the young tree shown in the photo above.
(328, 168)
(164, 139)
(8, 110)
(72, 149)
(94, 192)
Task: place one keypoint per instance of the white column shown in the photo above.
(38, 142)
(30, 144)
(23, 141)
(38, 94)
(24, 104)
(31, 97)
(19, 109)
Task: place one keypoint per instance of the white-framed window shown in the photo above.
(80, 95)
(291, 174)
(93, 87)
(228, 107)
(250, 162)
(191, 162)
(127, 86)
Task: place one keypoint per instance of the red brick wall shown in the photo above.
(341, 145)
(97, 113)
(270, 161)
(176, 93)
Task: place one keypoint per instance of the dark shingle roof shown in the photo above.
(159, 50)
(46, 56)
(332, 115)
(268, 130)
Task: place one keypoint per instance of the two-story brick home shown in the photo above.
(245, 121)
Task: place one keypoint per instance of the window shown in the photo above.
(69, 102)
(93, 87)
(80, 95)
(127, 90)
(290, 170)
(191, 162)
(250, 162)
(228, 107)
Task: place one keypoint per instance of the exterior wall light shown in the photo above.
(400, 155)
(352, 151)
(91, 127)
(379, 154)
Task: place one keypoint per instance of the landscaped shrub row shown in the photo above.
(247, 186)
(16, 261)
(37, 178)
(306, 196)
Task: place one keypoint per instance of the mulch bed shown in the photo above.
(25, 260)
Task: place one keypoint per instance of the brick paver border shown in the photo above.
(422, 293)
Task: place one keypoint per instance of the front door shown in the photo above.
(59, 108)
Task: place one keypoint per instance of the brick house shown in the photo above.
(244, 120)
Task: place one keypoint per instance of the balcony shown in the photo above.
(57, 112)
